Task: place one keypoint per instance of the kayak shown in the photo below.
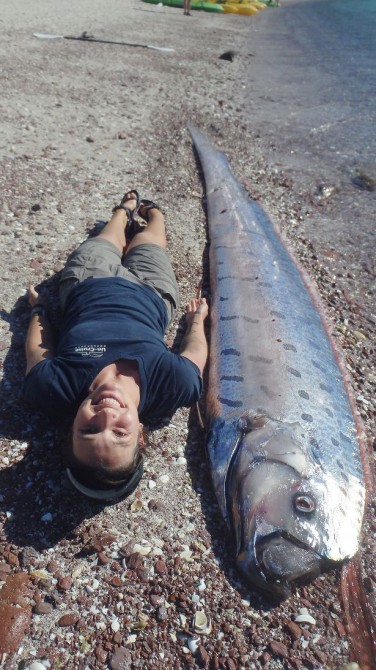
(245, 10)
(205, 6)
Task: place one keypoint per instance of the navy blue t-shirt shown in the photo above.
(106, 320)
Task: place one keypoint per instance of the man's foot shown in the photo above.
(145, 207)
(130, 204)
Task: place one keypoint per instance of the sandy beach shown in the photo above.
(120, 587)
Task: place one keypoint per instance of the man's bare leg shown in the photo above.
(114, 230)
(153, 233)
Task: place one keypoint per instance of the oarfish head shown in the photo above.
(281, 509)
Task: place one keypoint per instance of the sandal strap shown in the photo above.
(148, 204)
(137, 198)
(126, 210)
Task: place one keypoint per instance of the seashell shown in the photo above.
(77, 571)
(186, 555)
(141, 549)
(164, 479)
(181, 460)
(201, 586)
(40, 574)
(141, 623)
(152, 484)
(305, 618)
(136, 506)
(115, 625)
(131, 639)
(201, 624)
(193, 644)
(183, 618)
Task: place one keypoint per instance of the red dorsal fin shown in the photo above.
(360, 619)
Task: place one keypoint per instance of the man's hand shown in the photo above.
(39, 339)
(35, 298)
(196, 306)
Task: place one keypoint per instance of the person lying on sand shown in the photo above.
(110, 368)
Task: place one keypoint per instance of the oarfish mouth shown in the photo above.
(277, 562)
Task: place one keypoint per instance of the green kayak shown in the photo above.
(206, 6)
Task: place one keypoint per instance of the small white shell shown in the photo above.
(164, 479)
(193, 644)
(201, 624)
(201, 586)
(115, 626)
(136, 506)
(305, 618)
(141, 549)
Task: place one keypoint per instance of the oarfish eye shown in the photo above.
(304, 503)
(248, 423)
(245, 424)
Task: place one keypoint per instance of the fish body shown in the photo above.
(283, 443)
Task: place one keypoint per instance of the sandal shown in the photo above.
(132, 224)
(146, 205)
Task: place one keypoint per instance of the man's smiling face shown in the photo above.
(106, 428)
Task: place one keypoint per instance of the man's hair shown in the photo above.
(94, 480)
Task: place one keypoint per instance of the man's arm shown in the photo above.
(39, 339)
(194, 345)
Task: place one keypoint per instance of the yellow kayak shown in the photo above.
(239, 8)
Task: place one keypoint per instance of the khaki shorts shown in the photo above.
(146, 264)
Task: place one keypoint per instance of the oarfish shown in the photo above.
(284, 445)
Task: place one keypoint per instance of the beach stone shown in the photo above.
(143, 573)
(134, 561)
(115, 581)
(52, 566)
(203, 656)
(64, 583)
(294, 630)
(162, 614)
(121, 659)
(42, 608)
(100, 654)
(321, 657)
(11, 558)
(16, 590)
(4, 570)
(160, 568)
(29, 556)
(68, 619)
(156, 600)
(14, 624)
(278, 648)
(102, 558)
